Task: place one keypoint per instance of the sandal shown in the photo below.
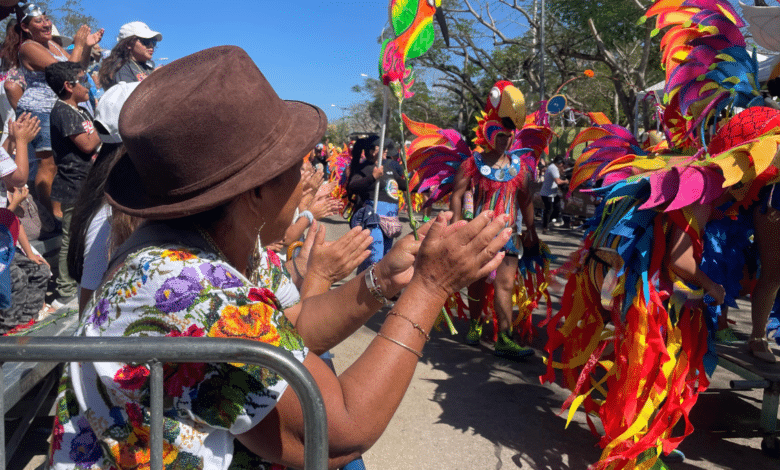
(765, 353)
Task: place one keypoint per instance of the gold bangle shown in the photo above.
(413, 351)
(292, 247)
(414, 324)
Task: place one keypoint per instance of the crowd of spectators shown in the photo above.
(51, 89)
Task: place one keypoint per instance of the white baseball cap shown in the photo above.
(139, 29)
(108, 109)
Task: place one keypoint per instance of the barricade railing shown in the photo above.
(156, 352)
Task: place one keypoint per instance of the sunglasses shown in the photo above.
(148, 42)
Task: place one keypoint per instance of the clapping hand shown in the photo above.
(17, 195)
(24, 129)
(84, 37)
(333, 261)
(453, 256)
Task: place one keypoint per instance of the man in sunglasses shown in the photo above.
(131, 58)
(74, 142)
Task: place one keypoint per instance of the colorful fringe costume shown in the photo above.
(631, 337)
(437, 154)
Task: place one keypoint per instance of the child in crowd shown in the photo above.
(74, 143)
(29, 272)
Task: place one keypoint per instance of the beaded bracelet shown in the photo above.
(414, 324)
(413, 351)
(373, 286)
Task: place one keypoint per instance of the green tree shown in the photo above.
(67, 15)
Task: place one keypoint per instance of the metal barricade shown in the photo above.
(155, 352)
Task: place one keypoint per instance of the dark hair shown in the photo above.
(558, 160)
(88, 204)
(60, 73)
(9, 51)
(119, 56)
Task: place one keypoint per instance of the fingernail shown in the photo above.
(488, 214)
(506, 233)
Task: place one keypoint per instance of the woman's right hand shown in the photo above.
(80, 38)
(453, 256)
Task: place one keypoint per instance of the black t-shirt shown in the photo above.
(362, 181)
(131, 71)
(72, 164)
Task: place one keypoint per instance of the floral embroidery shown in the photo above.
(178, 293)
(85, 448)
(248, 321)
(173, 291)
(100, 314)
(179, 376)
(132, 377)
(220, 277)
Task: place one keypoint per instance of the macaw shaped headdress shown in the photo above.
(504, 112)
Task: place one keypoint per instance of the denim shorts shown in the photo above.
(42, 141)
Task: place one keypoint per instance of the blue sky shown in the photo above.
(312, 51)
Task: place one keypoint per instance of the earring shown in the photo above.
(253, 263)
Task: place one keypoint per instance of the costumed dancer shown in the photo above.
(496, 179)
(639, 264)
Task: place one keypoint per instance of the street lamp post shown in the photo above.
(541, 53)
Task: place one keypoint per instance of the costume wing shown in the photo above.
(435, 156)
(534, 138)
(707, 66)
(606, 144)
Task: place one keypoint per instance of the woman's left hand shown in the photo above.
(333, 261)
(395, 270)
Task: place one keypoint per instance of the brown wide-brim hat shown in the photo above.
(202, 130)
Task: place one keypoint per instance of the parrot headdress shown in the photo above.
(504, 113)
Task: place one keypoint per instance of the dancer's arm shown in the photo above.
(456, 198)
(682, 261)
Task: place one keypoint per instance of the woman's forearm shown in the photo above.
(327, 319)
(362, 400)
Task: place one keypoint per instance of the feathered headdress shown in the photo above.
(504, 113)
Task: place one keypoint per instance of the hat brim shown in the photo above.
(151, 34)
(125, 188)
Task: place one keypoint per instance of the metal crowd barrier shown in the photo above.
(155, 352)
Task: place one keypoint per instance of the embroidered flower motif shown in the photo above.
(273, 258)
(179, 376)
(219, 277)
(179, 292)
(252, 321)
(100, 314)
(57, 433)
(261, 294)
(134, 451)
(177, 255)
(85, 449)
(134, 414)
(589, 73)
(131, 377)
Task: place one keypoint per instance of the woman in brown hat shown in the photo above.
(214, 159)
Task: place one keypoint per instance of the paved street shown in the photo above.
(467, 409)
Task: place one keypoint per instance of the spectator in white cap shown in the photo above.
(131, 59)
(95, 231)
